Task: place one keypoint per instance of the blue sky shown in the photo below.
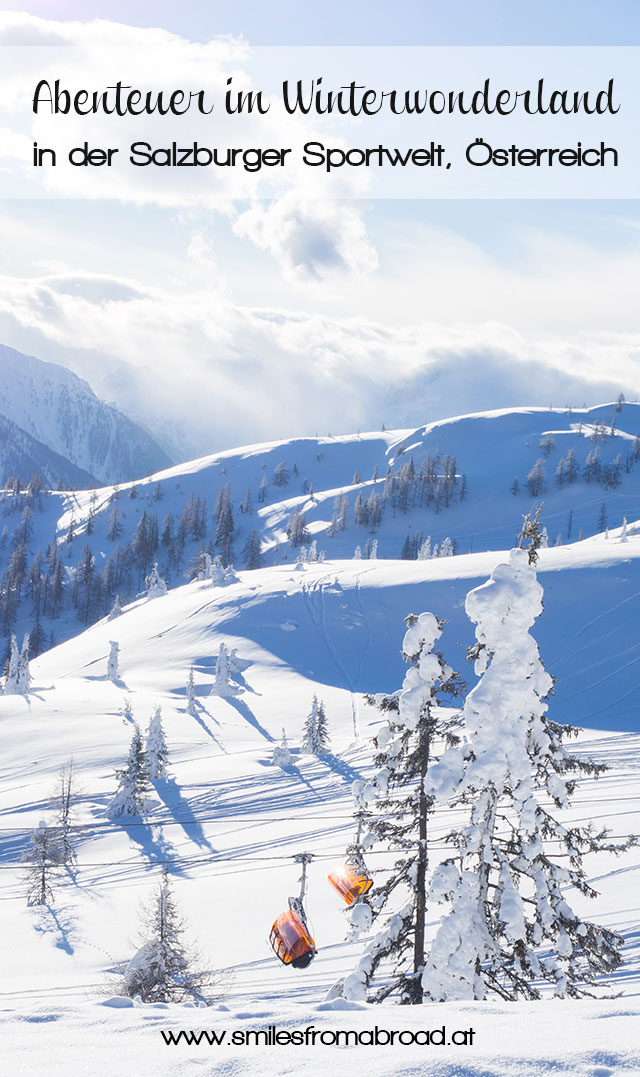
(380, 22)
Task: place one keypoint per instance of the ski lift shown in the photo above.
(290, 937)
(352, 880)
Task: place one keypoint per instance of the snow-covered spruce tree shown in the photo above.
(315, 738)
(421, 721)
(191, 693)
(24, 674)
(44, 857)
(223, 685)
(116, 609)
(18, 679)
(164, 969)
(11, 681)
(156, 750)
(281, 756)
(510, 924)
(130, 796)
(113, 672)
(156, 586)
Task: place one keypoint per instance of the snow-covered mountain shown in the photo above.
(462, 484)
(58, 409)
(21, 454)
(228, 822)
(225, 819)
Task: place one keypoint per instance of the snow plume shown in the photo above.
(511, 755)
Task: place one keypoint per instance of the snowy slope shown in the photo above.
(21, 454)
(60, 410)
(490, 451)
(228, 822)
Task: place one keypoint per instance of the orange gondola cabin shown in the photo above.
(291, 941)
(352, 881)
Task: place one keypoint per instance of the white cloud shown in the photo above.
(203, 373)
(311, 240)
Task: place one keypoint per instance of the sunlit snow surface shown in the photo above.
(228, 822)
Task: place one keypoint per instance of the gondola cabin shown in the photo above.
(291, 941)
(351, 882)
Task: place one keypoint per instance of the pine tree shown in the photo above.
(156, 586)
(222, 685)
(114, 526)
(510, 924)
(156, 751)
(23, 680)
(297, 531)
(116, 609)
(315, 739)
(191, 694)
(44, 857)
(11, 680)
(407, 744)
(536, 479)
(63, 803)
(253, 551)
(129, 799)
(281, 756)
(532, 534)
(164, 969)
(280, 475)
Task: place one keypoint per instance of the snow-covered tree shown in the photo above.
(510, 925)
(11, 681)
(24, 674)
(624, 533)
(116, 609)
(63, 803)
(113, 672)
(357, 554)
(130, 796)
(532, 534)
(373, 555)
(156, 586)
(164, 969)
(315, 739)
(45, 858)
(18, 679)
(419, 725)
(222, 685)
(424, 552)
(156, 750)
(281, 756)
(191, 693)
(447, 548)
